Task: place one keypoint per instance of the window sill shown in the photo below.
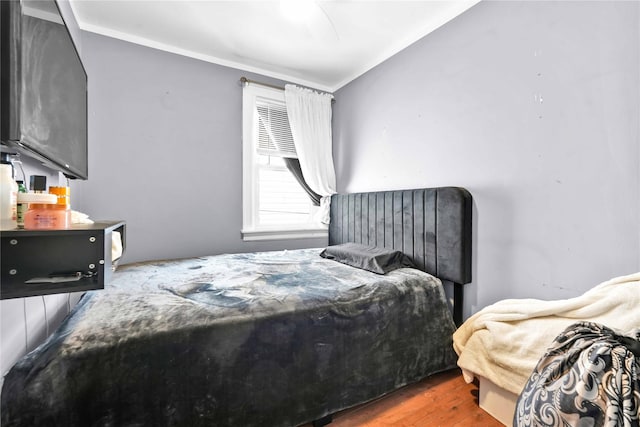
(284, 234)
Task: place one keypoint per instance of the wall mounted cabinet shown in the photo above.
(42, 262)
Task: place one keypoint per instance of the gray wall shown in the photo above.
(532, 106)
(165, 151)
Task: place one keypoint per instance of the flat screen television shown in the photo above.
(43, 85)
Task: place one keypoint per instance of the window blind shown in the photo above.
(274, 131)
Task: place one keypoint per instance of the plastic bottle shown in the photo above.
(48, 211)
(8, 194)
(63, 204)
(22, 205)
(43, 213)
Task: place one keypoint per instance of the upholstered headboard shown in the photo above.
(431, 225)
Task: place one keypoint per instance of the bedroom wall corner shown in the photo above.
(534, 108)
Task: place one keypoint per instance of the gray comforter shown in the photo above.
(269, 339)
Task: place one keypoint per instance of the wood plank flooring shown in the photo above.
(443, 400)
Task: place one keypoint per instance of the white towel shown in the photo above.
(116, 245)
(80, 218)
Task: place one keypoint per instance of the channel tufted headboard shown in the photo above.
(431, 225)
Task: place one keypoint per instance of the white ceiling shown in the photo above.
(331, 44)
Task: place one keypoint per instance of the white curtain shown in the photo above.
(309, 115)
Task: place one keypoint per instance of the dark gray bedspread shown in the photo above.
(264, 339)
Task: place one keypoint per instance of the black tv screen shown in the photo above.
(44, 87)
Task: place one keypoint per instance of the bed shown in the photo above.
(270, 338)
(502, 344)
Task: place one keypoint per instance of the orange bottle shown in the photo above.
(54, 214)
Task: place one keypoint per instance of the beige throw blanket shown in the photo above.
(504, 341)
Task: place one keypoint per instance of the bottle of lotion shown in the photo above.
(8, 194)
(46, 211)
(22, 204)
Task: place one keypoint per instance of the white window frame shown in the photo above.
(250, 229)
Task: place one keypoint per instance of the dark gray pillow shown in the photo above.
(370, 258)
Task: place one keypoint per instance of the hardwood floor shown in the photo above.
(441, 400)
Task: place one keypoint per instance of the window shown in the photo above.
(275, 204)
